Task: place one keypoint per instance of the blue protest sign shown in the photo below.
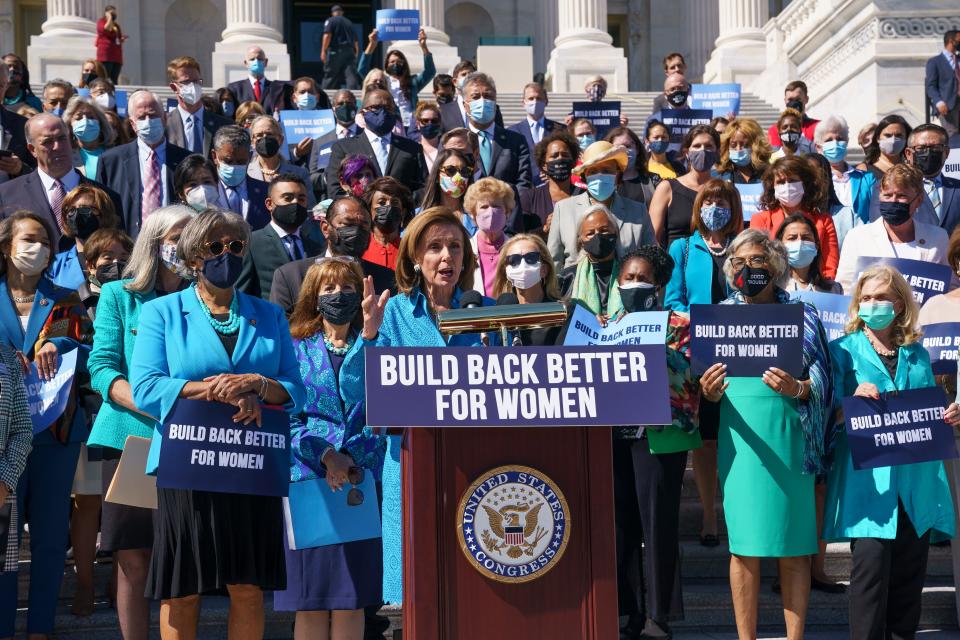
(942, 342)
(604, 115)
(903, 427)
(832, 309)
(83, 92)
(749, 199)
(121, 99)
(171, 104)
(315, 515)
(591, 386)
(319, 124)
(927, 279)
(722, 99)
(398, 24)
(681, 121)
(749, 339)
(648, 327)
(204, 449)
(47, 399)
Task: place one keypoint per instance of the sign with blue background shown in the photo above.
(749, 199)
(904, 427)
(722, 99)
(299, 125)
(681, 121)
(47, 399)
(645, 327)
(398, 24)
(942, 342)
(748, 338)
(927, 279)
(604, 115)
(832, 309)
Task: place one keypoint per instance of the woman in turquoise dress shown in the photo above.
(772, 443)
(889, 513)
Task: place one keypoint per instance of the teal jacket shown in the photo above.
(417, 82)
(863, 504)
(118, 316)
(691, 281)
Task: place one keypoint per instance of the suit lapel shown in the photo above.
(248, 329)
(39, 312)
(133, 180)
(9, 320)
(880, 372)
(176, 135)
(394, 152)
(946, 207)
(35, 186)
(200, 327)
(276, 244)
(367, 149)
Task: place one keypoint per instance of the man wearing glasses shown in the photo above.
(190, 125)
(927, 150)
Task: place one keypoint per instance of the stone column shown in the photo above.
(68, 38)
(703, 20)
(545, 27)
(250, 22)
(445, 56)
(740, 53)
(583, 48)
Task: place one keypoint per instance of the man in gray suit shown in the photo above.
(190, 125)
(602, 168)
(942, 83)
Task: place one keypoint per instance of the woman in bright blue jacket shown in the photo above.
(889, 513)
(211, 342)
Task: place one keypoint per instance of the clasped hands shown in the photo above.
(240, 390)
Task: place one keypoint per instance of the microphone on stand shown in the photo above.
(508, 298)
(471, 299)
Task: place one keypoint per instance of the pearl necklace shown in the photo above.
(721, 251)
(337, 351)
(879, 348)
(24, 299)
(226, 327)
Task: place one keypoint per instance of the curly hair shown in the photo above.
(659, 259)
(795, 169)
(760, 150)
(492, 189)
(395, 189)
(561, 135)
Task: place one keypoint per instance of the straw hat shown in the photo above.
(601, 151)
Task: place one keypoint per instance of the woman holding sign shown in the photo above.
(211, 342)
(888, 512)
(772, 442)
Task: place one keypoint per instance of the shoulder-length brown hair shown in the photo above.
(407, 277)
(814, 188)
(306, 320)
(713, 190)
(550, 285)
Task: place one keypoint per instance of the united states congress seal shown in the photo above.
(513, 523)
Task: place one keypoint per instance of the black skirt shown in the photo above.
(204, 541)
(122, 527)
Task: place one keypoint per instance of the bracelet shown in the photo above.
(263, 387)
(799, 392)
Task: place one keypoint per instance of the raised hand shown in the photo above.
(373, 307)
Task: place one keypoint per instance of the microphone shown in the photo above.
(471, 299)
(508, 298)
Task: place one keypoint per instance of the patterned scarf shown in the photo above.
(586, 291)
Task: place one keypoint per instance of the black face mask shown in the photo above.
(290, 216)
(110, 272)
(345, 113)
(789, 137)
(430, 131)
(600, 245)
(796, 105)
(338, 308)
(638, 299)
(349, 240)
(677, 99)
(88, 78)
(82, 222)
(387, 217)
(751, 282)
(559, 170)
(268, 146)
(895, 213)
(444, 98)
(395, 69)
(929, 161)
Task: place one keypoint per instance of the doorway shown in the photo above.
(303, 22)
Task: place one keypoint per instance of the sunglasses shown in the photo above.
(451, 171)
(355, 496)
(429, 121)
(341, 259)
(532, 258)
(216, 247)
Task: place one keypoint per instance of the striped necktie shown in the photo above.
(57, 194)
(933, 193)
(152, 190)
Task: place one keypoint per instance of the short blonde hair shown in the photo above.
(407, 277)
(306, 320)
(905, 323)
(488, 189)
(246, 110)
(903, 175)
(550, 285)
(101, 201)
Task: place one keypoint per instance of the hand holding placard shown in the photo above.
(749, 342)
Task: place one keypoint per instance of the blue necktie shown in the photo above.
(293, 247)
(197, 134)
(486, 151)
(380, 149)
(233, 201)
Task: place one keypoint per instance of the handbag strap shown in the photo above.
(683, 271)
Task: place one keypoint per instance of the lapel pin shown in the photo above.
(43, 302)
(253, 322)
(133, 331)
(922, 241)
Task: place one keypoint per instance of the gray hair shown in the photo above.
(273, 122)
(234, 135)
(197, 230)
(107, 134)
(58, 83)
(829, 124)
(145, 257)
(589, 212)
(479, 77)
(137, 95)
(774, 250)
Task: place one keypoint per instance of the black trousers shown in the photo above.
(341, 69)
(886, 583)
(113, 70)
(647, 500)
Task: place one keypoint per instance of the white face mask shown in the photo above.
(524, 276)
(202, 196)
(105, 101)
(190, 93)
(31, 258)
(789, 194)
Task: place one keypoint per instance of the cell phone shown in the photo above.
(6, 153)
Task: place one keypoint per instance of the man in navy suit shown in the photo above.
(42, 191)
(942, 82)
(503, 153)
(239, 192)
(190, 125)
(273, 95)
(142, 171)
(535, 127)
(345, 113)
(927, 150)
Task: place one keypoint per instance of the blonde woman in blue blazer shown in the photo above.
(127, 531)
(889, 513)
(211, 342)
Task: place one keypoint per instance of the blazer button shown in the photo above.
(43, 302)
(253, 322)
(922, 241)
(133, 331)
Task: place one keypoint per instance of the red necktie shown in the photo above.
(152, 190)
(256, 90)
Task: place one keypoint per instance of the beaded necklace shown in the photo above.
(337, 351)
(226, 327)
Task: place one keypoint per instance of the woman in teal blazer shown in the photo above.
(128, 531)
(888, 512)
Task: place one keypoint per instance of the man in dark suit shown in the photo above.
(393, 156)
(273, 95)
(346, 228)
(345, 113)
(942, 82)
(42, 191)
(503, 153)
(190, 125)
(19, 161)
(927, 150)
(453, 114)
(239, 192)
(535, 127)
(142, 171)
(290, 236)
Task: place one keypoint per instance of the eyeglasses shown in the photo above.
(929, 147)
(450, 171)
(343, 259)
(355, 476)
(532, 258)
(216, 247)
(754, 261)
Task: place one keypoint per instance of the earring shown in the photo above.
(416, 269)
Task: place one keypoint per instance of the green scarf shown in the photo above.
(587, 292)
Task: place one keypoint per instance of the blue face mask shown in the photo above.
(86, 130)
(256, 67)
(800, 253)
(306, 101)
(150, 130)
(58, 111)
(482, 110)
(659, 146)
(228, 108)
(715, 218)
(601, 186)
(739, 157)
(835, 150)
(232, 175)
(586, 140)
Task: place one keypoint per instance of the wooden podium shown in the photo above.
(445, 597)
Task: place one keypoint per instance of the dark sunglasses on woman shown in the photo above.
(234, 246)
(531, 258)
(451, 171)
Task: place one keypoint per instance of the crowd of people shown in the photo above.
(191, 253)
